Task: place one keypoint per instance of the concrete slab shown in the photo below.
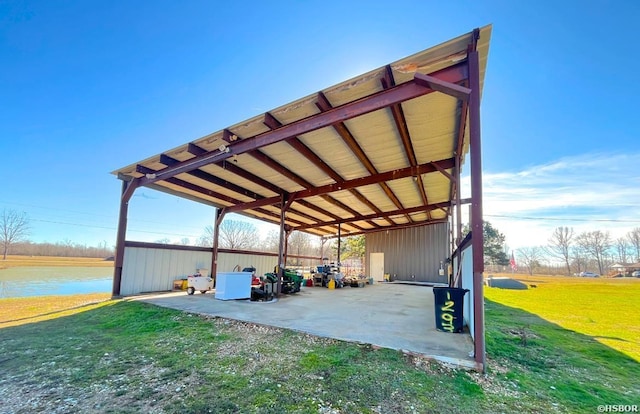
(389, 315)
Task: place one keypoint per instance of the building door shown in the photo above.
(376, 264)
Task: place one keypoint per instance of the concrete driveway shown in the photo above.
(390, 315)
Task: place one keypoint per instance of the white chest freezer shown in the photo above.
(233, 285)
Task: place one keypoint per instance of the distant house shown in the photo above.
(620, 268)
(625, 268)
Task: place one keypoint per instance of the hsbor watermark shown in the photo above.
(617, 408)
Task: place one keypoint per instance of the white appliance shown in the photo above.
(233, 285)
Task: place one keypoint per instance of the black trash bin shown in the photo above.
(449, 305)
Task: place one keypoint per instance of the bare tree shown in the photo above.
(184, 241)
(596, 244)
(163, 241)
(271, 242)
(530, 258)
(299, 243)
(579, 259)
(634, 239)
(14, 228)
(235, 234)
(622, 249)
(206, 240)
(560, 245)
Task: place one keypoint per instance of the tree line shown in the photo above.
(242, 235)
(578, 252)
(14, 229)
(566, 251)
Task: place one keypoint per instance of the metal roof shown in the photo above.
(377, 151)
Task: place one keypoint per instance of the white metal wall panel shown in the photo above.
(467, 283)
(263, 264)
(152, 270)
(412, 254)
(147, 269)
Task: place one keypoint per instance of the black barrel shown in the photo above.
(449, 305)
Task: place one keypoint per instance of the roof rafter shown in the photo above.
(324, 105)
(232, 167)
(203, 175)
(295, 142)
(379, 100)
(276, 166)
(193, 187)
(397, 226)
(401, 125)
(356, 182)
(418, 209)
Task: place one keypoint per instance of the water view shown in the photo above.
(52, 280)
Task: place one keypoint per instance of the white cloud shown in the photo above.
(587, 192)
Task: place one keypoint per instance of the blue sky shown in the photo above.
(87, 87)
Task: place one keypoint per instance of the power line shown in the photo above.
(136, 220)
(113, 228)
(562, 219)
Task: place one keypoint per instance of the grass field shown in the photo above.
(550, 349)
(606, 309)
(21, 261)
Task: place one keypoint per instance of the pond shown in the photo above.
(53, 280)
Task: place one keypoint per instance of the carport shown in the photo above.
(379, 153)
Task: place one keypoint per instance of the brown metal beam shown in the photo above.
(128, 187)
(477, 238)
(232, 167)
(401, 125)
(356, 182)
(232, 201)
(324, 105)
(448, 88)
(190, 186)
(397, 226)
(297, 144)
(214, 250)
(203, 175)
(228, 136)
(418, 209)
(444, 172)
(165, 159)
(271, 163)
(374, 102)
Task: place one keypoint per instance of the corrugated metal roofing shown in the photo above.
(373, 152)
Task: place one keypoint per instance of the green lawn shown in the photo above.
(129, 357)
(607, 310)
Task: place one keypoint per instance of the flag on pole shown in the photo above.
(512, 263)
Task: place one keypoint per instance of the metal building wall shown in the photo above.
(149, 269)
(263, 263)
(466, 276)
(411, 254)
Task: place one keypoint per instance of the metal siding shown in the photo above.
(412, 254)
(263, 264)
(153, 270)
(467, 283)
